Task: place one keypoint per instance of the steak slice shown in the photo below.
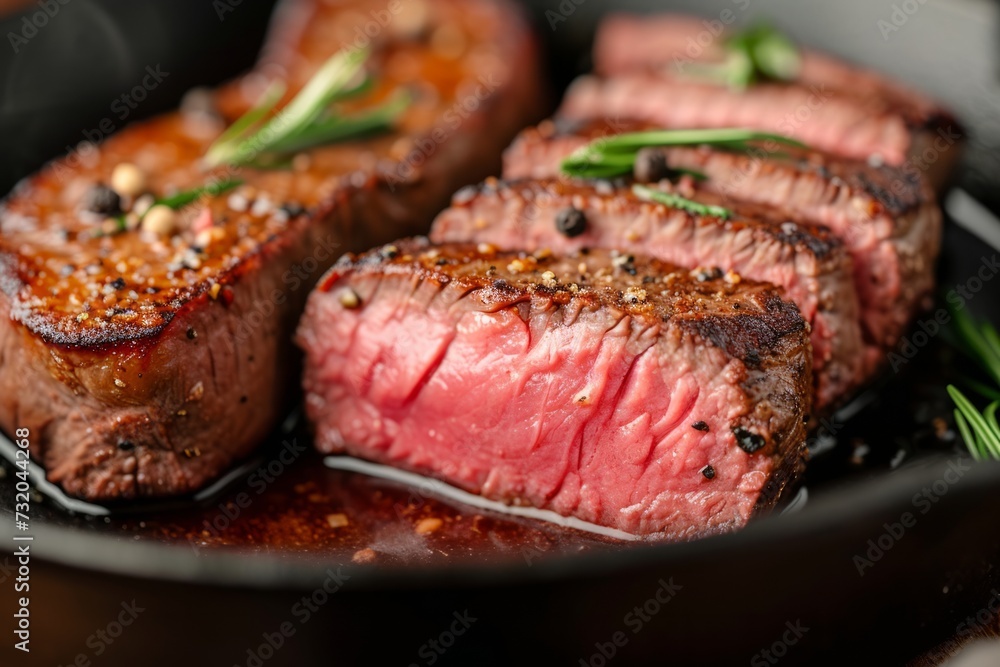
(887, 218)
(629, 42)
(631, 396)
(146, 366)
(833, 106)
(861, 129)
(808, 263)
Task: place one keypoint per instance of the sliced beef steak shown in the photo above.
(856, 128)
(887, 218)
(628, 42)
(630, 395)
(648, 69)
(808, 263)
(145, 365)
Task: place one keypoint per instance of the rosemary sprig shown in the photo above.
(175, 201)
(185, 197)
(981, 340)
(676, 201)
(262, 138)
(758, 53)
(615, 156)
(226, 145)
(339, 128)
(980, 431)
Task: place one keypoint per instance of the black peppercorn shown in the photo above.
(571, 222)
(748, 441)
(651, 166)
(103, 200)
(703, 274)
(292, 209)
(708, 472)
(699, 426)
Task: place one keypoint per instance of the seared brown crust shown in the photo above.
(817, 241)
(54, 270)
(745, 318)
(781, 411)
(150, 372)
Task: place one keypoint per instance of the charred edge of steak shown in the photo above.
(747, 319)
(641, 286)
(51, 328)
(748, 334)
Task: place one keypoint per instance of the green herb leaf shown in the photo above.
(738, 70)
(676, 201)
(728, 137)
(982, 342)
(758, 53)
(306, 121)
(973, 443)
(185, 197)
(771, 53)
(226, 146)
(615, 156)
(981, 432)
(340, 128)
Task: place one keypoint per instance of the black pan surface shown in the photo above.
(846, 576)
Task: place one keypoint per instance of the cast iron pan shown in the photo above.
(883, 557)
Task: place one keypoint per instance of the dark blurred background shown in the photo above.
(64, 64)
